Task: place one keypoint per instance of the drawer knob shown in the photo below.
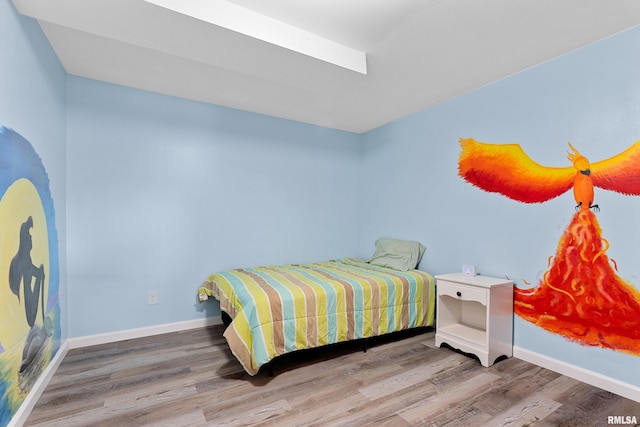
(459, 293)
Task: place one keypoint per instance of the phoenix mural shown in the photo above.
(580, 296)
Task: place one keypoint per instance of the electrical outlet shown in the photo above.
(152, 297)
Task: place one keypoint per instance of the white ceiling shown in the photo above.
(418, 52)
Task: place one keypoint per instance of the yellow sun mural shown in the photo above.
(29, 272)
(19, 203)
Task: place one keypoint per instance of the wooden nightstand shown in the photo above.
(475, 315)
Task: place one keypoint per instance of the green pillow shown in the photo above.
(403, 255)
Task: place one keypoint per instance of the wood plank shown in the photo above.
(447, 398)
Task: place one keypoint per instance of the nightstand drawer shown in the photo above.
(462, 292)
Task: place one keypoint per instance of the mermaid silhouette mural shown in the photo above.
(29, 272)
(23, 272)
(580, 296)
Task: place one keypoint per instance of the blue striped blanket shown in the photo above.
(280, 309)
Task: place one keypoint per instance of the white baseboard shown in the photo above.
(21, 415)
(606, 383)
(143, 332)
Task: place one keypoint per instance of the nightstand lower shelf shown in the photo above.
(466, 339)
(469, 334)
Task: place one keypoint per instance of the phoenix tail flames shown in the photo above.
(580, 296)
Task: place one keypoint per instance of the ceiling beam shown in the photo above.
(253, 24)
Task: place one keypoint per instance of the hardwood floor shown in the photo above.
(190, 378)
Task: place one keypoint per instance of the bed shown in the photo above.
(276, 310)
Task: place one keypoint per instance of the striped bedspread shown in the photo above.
(280, 309)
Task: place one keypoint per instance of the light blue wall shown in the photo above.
(410, 186)
(32, 102)
(164, 192)
(160, 192)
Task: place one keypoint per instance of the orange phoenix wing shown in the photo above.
(506, 169)
(620, 173)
